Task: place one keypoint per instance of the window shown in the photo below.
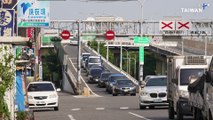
(156, 82)
(40, 87)
(124, 82)
(94, 60)
(186, 73)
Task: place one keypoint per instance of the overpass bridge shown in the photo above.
(196, 41)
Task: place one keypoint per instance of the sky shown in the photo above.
(131, 10)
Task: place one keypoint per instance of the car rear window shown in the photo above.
(40, 87)
(94, 60)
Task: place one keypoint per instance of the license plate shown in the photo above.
(40, 102)
(96, 80)
(125, 90)
(157, 100)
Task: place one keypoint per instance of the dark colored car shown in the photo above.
(103, 79)
(124, 87)
(94, 66)
(111, 81)
(94, 75)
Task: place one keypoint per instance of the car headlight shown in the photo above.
(30, 97)
(184, 94)
(144, 93)
(53, 96)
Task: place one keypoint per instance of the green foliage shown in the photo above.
(56, 39)
(21, 115)
(51, 65)
(149, 63)
(7, 75)
(102, 49)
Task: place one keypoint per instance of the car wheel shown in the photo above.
(198, 114)
(114, 94)
(142, 107)
(171, 112)
(133, 94)
(210, 115)
(179, 114)
(55, 108)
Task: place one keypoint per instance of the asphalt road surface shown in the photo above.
(100, 106)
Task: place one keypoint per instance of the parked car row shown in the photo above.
(115, 83)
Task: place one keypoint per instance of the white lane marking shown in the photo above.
(76, 109)
(90, 96)
(124, 108)
(83, 79)
(71, 117)
(139, 116)
(100, 108)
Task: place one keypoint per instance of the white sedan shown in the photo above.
(153, 92)
(42, 94)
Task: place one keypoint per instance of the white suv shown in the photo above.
(42, 94)
(153, 92)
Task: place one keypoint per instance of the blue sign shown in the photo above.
(32, 13)
(6, 22)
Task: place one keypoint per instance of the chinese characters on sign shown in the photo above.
(32, 13)
(6, 22)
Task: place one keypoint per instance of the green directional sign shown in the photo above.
(141, 40)
(141, 55)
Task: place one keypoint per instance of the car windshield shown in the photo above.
(124, 82)
(186, 73)
(113, 78)
(94, 60)
(40, 87)
(156, 82)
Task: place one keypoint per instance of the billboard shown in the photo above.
(6, 22)
(33, 13)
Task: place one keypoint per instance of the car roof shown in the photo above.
(117, 74)
(94, 56)
(85, 53)
(154, 76)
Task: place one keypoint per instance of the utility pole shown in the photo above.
(79, 87)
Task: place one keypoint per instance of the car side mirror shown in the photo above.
(58, 89)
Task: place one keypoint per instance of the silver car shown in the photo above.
(153, 92)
